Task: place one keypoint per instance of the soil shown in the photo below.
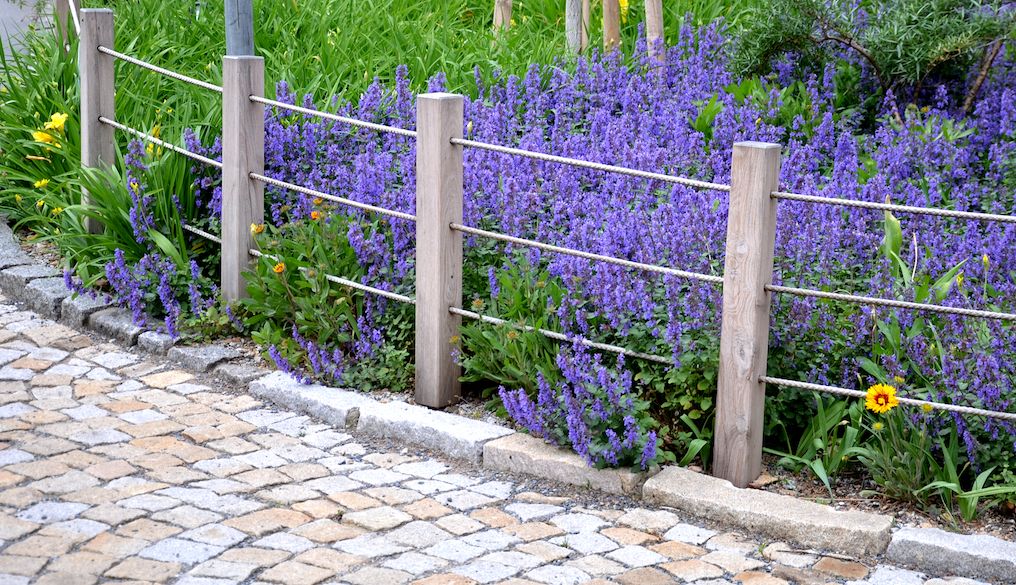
(851, 489)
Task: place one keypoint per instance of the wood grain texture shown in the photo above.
(586, 11)
(438, 248)
(239, 27)
(744, 333)
(502, 14)
(654, 29)
(243, 152)
(611, 24)
(573, 25)
(97, 87)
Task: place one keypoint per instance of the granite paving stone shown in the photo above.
(118, 466)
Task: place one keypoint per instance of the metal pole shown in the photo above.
(239, 27)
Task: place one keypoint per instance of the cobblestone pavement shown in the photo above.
(116, 468)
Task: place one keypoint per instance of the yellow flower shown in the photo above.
(877, 426)
(278, 268)
(318, 201)
(257, 228)
(134, 186)
(985, 261)
(43, 137)
(40, 203)
(926, 407)
(899, 380)
(57, 210)
(315, 215)
(156, 131)
(18, 198)
(959, 280)
(881, 398)
(41, 183)
(454, 339)
(624, 5)
(477, 304)
(56, 122)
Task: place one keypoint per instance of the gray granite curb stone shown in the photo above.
(453, 435)
(116, 323)
(46, 296)
(14, 280)
(937, 551)
(521, 453)
(238, 373)
(76, 309)
(201, 358)
(155, 342)
(336, 407)
(781, 517)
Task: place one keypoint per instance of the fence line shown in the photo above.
(878, 302)
(587, 255)
(334, 117)
(159, 142)
(933, 211)
(334, 198)
(590, 165)
(747, 275)
(908, 401)
(561, 337)
(159, 70)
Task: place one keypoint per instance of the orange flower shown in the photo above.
(279, 268)
(315, 215)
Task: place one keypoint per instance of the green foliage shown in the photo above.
(828, 442)
(903, 41)
(508, 355)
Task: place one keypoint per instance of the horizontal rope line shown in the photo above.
(75, 18)
(973, 216)
(587, 255)
(591, 165)
(162, 143)
(909, 401)
(336, 199)
(878, 302)
(560, 337)
(203, 234)
(159, 70)
(335, 117)
(345, 281)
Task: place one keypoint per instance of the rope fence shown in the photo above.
(932, 211)
(333, 117)
(159, 142)
(202, 233)
(344, 281)
(333, 198)
(159, 70)
(878, 302)
(591, 165)
(560, 336)
(587, 255)
(967, 410)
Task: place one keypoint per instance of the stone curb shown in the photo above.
(781, 517)
(933, 550)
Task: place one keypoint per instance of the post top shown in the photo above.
(439, 95)
(85, 11)
(759, 145)
(242, 58)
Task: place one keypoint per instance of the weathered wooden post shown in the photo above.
(585, 25)
(502, 14)
(611, 24)
(438, 248)
(744, 333)
(654, 30)
(97, 81)
(243, 153)
(573, 25)
(63, 11)
(239, 27)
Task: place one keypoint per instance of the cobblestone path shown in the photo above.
(115, 468)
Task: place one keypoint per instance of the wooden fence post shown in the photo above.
(586, 10)
(438, 248)
(744, 333)
(239, 27)
(573, 25)
(243, 152)
(63, 10)
(654, 30)
(97, 80)
(502, 14)
(611, 24)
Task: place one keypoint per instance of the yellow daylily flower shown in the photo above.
(56, 122)
(41, 183)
